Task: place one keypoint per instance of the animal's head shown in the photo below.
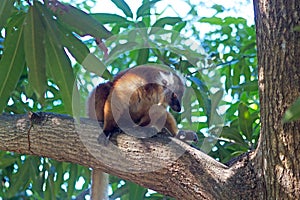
(173, 85)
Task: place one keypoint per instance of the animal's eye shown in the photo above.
(164, 82)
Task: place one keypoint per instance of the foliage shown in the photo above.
(50, 58)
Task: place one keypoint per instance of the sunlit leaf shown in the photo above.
(245, 121)
(218, 8)
(211, 20)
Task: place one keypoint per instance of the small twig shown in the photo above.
(210, 67)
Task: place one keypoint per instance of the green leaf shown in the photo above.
(233, 134)
(218, 8)
(12, 62)
(82, 54)
(82, 23)
(6, 8)
(76, 47)
(212, 20)
(58, 64)
(59, 177)
(20, 179)
(245, 121)
(143, 55)
(93, 64)
(72, 179)
(249, 86)
(49, 193)
(108, 18)
(124, 7)
(51, 27)
(119, 49)
(60, 69)
(293, 112)
(167, 20)
(7, 160)
(136, 191)
(187, 104)
(144, 9)
(34, 51)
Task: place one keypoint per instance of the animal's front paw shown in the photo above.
(187, 136)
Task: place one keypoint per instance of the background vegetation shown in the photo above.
(44, 46)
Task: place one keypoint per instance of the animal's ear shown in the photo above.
(166, 79)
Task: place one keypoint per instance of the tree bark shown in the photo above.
(278, 47)
(174, 168)
(161, 163)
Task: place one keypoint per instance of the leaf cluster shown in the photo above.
(49, 58)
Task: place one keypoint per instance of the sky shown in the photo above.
(240, 7)
(234, 8)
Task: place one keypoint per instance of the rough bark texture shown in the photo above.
(279, 82)
(174, 168)
(164, 164)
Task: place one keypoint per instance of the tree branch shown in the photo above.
(161, 163)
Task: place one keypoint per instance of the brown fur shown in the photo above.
(134, 91)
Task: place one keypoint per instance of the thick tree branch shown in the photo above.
(164, 164)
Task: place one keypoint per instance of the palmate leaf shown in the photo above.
(34, 51)
(12, 62)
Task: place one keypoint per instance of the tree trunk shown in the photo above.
(278, 47)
